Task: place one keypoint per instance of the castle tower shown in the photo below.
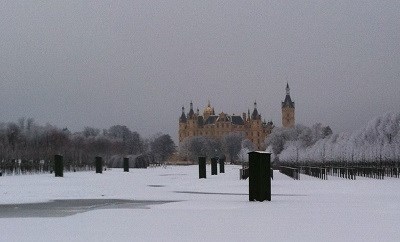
(182, 125)
(288, 110)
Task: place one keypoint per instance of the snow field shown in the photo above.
(306, 210)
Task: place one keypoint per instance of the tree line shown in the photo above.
(31, 146)
(376, 143)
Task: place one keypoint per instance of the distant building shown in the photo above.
(288, 120)
(216, 126)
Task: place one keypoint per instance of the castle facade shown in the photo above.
(216, 126)
(210, 125)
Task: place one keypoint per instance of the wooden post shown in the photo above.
(99, 164)
(214, 166)
(126, 164)
(221, 165)
(202, 167)
(259, 176)
(58, 166)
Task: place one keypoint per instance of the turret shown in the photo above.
(255, 114)
(191, 112)
(183, 118)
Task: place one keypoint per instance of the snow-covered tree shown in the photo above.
(377, 142)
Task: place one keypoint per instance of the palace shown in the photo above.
(216, 126)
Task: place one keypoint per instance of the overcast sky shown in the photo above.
(135, 63)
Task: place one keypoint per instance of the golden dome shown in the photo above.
(208, 110)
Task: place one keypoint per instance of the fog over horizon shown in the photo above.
(136, 63)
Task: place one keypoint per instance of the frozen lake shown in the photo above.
(172, 204)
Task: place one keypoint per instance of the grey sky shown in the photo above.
(100, 63)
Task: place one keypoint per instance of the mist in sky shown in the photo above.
(136, 63)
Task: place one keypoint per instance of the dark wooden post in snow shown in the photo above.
(214, 166)
(99, 164)
(58, 166)
(259, 176)
(221, 165)
(202, 167)
(126, 164)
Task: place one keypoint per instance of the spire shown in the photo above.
(287, 89)
(191, 112)
(255, 114)
(288, 101)
(183, 119)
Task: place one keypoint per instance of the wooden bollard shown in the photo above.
(126, 164)
(58, 166)
(259, 176)
(214, 166)
(99, 164)
(221, 165)
(202, 167)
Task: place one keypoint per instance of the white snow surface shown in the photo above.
(309, 209)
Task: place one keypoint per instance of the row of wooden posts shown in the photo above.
(59, 165)
(290, 171)
(343, 172)
(214, 166)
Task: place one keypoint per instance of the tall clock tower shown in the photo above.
(288, 110)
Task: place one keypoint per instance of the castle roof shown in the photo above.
(211, 119)
(200, 120)
(238, 120)
(288, 102)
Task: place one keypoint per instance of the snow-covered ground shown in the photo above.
(212, 209)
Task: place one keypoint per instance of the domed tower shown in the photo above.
(208, 111)
(288, 110)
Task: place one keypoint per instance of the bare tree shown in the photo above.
(162, 147)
